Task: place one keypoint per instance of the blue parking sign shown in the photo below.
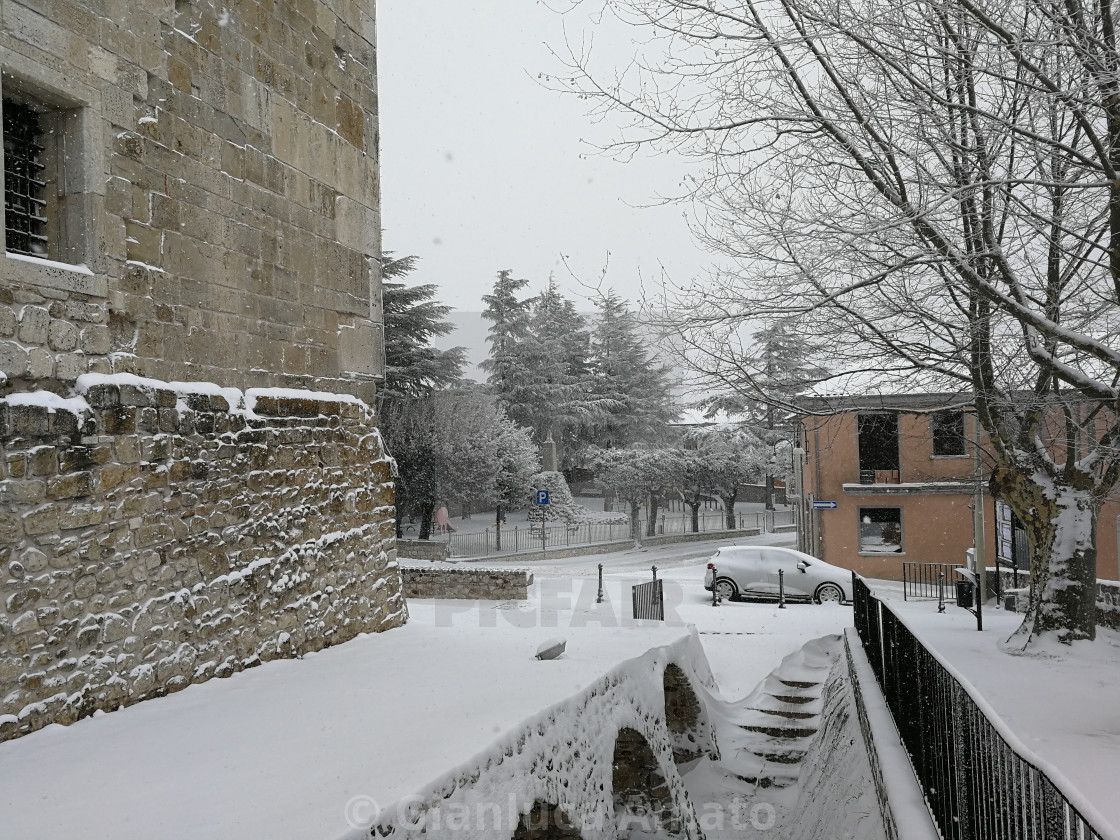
(542, 497)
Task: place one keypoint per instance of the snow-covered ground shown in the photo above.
(303, 748)
(307, 748)
(1062, 704)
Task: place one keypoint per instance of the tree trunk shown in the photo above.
(694, 508)
(635, 522)
(400, 523)
(498, 529)
(769, 491)
(426, 521)
(651, 525)
(1061, 522)
(729, 508)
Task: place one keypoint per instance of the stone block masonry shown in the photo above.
(212, 193)
(153, 537)
(467, 583)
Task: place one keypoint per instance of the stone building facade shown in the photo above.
(191, 479)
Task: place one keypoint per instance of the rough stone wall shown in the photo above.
(214, 206)
(422, 549)
(470, 584)
(150, 539)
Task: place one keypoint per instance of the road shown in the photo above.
(673, 556)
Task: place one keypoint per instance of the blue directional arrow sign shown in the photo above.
(542, 498)
(822, 505)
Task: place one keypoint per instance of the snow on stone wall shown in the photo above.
(154, 536)
(471, 583)
(602, 757)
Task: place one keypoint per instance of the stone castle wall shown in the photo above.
(151, 538)
(212, 193)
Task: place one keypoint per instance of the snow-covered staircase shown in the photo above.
(763, 739)
(779, 719)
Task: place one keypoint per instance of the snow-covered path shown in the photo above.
(294, 748)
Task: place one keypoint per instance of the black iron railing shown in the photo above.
(977, 786)
(928, 580)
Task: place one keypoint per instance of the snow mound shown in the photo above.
(561, 506)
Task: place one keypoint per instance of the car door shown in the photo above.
(750, 572)
(794, 579)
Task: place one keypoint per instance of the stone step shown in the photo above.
(779, 731)
(790, 698)
(797, 684)
(789, 714)
(783, 756)
(768, 781)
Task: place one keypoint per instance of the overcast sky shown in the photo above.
(483, 168)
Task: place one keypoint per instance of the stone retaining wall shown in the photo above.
(422, 549)
(467, 583)
(150, 539)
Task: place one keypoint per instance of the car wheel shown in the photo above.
(725, 589)
(829, 592)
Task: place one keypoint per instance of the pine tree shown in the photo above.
(780, 368)
(632, 389)
(412, 318)
(509, 329)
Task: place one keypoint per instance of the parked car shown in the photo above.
(752, 570)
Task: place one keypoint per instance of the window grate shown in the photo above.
(25, 224)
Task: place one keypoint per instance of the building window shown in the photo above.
(878, 448)
(880, 530)
(948, 433)
(47, 173)
(25, 186)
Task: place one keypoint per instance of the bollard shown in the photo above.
(781, 589)
(715, 576)
(599, 597)
(654, 570)
(941, 592)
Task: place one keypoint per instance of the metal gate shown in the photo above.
(649, 601)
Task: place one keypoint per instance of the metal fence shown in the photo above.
(649, 600)
(928, 580)
(976, 785)
(558, 535)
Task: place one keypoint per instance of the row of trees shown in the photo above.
(714, 461)
(451, 442)
(588, 383)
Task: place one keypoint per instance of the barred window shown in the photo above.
(25, 222)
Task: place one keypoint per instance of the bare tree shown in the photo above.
(931, 187)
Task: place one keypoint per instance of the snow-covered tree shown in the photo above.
(932, 187)
(456, 446)
(632, 389)
(509, 327)
(639, 474)
(554, 392)
(779, 365)
(719, 459)
(412, 318)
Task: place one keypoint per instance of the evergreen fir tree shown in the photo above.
(629, 385)
(509, 317)
(412, 318)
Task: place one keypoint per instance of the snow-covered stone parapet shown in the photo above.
(154, 535)
(599, 761)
